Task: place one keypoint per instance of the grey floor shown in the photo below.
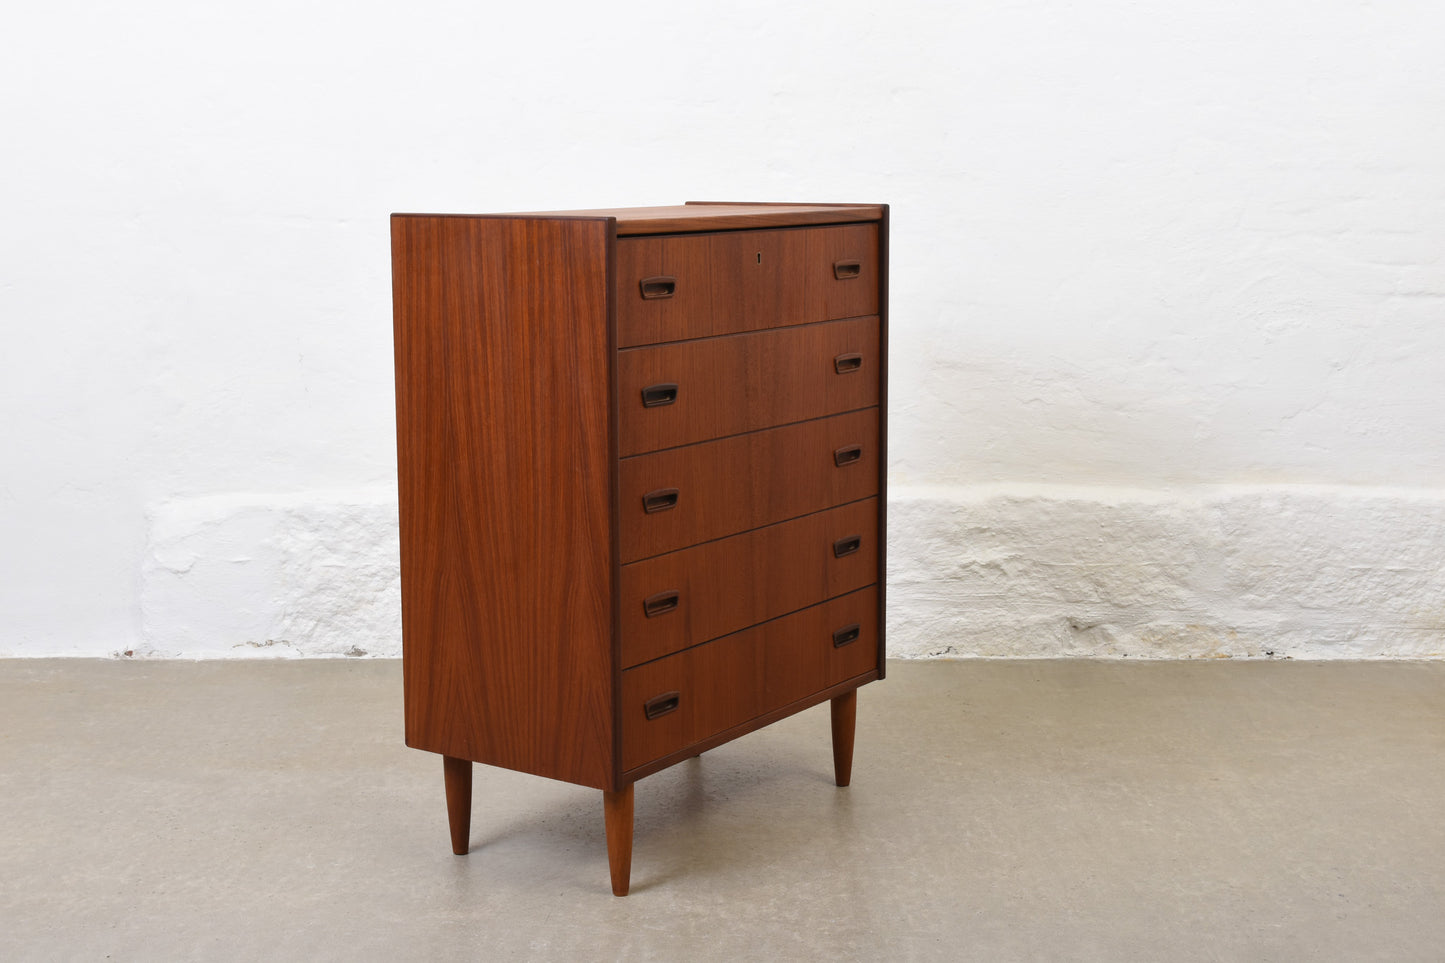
(999, 811)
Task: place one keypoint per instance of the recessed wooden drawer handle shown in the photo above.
(847, 546)
(660, 500)
(661, 705)
(661, 603)
(847, 455)
(654, 289)
(847, 363)
(848, 633)
(846, 270)
(655, 396)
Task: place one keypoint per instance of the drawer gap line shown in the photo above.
(733, 334)
(754, 431)
(744, 531)
(749, 628)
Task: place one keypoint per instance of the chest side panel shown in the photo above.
(504, 470)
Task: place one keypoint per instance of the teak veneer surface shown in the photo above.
(675, 218)
(734, 281)
(505, 469)
(729, 584)
(744, 482)
(826, 295)
(740, 677)
(743, 382)
(551, 623)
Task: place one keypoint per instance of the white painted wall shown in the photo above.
(1168, 297)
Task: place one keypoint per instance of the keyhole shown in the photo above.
(760, 257)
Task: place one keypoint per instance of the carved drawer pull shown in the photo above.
(661, 603)
(661, 705)
(655, 289)
(656, 396)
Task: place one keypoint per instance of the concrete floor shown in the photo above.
(999, 811)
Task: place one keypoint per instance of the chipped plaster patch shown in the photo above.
(310, 574)
(1224, 572)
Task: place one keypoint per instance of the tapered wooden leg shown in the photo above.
(845, 713)
(459, 801)
(617, 808)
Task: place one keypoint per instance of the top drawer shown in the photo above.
(670, 288)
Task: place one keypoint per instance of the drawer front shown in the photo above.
(683, 496)
(672, 288)
(676, 394)
(664, 284)
(710, 688)
(842, 271)
(755, 279)
(680, 599)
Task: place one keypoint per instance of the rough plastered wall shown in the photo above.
(1167, 286)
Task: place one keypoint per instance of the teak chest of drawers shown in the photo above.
(641, 461)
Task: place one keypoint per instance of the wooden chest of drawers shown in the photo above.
(641, 466)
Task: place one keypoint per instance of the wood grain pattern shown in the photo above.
(744, 482)
(731, 583)
(742, 676)
(755, 280)
(614, 549)
(504, 462)
(688, 260)
(827, 296)
(752, 279)
(744, 382)
(752, 725)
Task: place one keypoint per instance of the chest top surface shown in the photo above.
(708, 216)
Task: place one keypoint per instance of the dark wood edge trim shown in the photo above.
(396, 229)
(615, 484)
(883, 443)
(767, 719)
